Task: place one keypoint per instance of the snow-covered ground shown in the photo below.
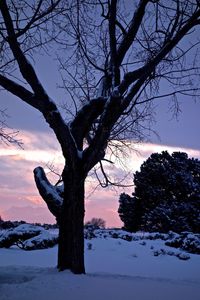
(116, 269)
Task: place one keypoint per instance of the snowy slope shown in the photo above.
(116, 269)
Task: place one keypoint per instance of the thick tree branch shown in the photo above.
(130, 78)
(129, 38)
(114, 67)
(96, 150)
(84, 119)
(26, 68)
(49, 109)
(48, 192)
(18, 90)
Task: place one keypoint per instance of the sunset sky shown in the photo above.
(19, 198)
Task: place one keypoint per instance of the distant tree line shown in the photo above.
(12, 224)
(94, 223)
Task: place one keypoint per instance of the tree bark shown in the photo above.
(71, 225)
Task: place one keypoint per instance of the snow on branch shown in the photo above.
(51, 194)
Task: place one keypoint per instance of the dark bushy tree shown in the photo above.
(166, 197)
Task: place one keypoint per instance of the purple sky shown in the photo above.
(19, 198)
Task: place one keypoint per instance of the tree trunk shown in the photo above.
(71, 225)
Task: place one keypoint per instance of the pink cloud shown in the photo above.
(28, 214)
(19, 198)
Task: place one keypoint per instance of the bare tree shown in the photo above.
(115, 56)
(96, 223)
